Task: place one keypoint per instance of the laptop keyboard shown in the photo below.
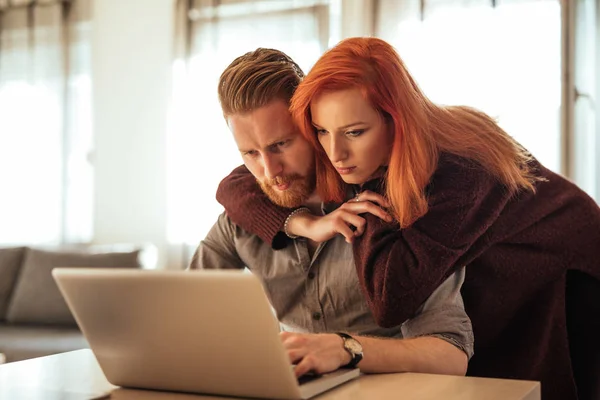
(307, 378)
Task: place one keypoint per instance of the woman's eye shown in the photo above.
(321, 132)
(355, 133)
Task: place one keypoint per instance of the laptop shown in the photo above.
(208, 331)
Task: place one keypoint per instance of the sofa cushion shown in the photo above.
(11, 259)
(23, 342)
(37, 299)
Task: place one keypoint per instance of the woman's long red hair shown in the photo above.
(421, 130)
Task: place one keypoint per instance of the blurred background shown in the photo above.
(111, 131)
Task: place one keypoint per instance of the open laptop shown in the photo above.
(208, 331)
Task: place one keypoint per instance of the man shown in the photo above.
(313, 287)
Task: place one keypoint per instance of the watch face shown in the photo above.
(353, 346)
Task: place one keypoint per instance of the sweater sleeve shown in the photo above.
(399, 268)
(249, 207)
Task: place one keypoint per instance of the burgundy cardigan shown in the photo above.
(517, 250)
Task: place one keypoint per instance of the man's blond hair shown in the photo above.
(256, 78)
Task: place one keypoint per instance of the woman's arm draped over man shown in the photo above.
(398, 269)
(248, 206)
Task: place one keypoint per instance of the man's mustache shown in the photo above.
(282, 180)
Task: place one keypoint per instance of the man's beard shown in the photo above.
(299, 190)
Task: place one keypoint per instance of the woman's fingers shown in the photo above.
(347, 220)
(343, 228)
(361, 207)
(367, 195)
(344, 223)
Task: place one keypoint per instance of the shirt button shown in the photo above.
(311, 275)
(316, 316)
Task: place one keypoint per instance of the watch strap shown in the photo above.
(356, 357)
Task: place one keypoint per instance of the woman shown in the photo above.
(462, 192)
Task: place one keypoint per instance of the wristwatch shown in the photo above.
(353, 347)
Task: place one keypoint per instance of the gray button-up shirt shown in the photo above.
(322, 293)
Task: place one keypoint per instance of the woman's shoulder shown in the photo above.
(453, 161)
(460, 171)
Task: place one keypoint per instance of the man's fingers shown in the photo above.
(292, 340)
(317, 353)
(305, 366)
(296, 355)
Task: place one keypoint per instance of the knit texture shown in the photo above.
(517, 249)
(262, 217)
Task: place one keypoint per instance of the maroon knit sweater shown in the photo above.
(517, 250)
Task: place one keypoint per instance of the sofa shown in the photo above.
(34, 318)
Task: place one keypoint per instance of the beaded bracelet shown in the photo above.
(300, 210)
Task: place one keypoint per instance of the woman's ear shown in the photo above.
(388, 121)
(390, 127)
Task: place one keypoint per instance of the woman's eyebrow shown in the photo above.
(341, 128)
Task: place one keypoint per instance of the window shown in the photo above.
(201, 149)
(45, 124)
(502, 58)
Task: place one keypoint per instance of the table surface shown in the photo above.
(78, 372)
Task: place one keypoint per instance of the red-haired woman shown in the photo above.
(462, 192)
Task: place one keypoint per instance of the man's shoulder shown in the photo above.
(227, 229)
(225, 224)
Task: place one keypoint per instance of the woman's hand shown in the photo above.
(312, 352)
(346, 220)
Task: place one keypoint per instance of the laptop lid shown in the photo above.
(208, 331)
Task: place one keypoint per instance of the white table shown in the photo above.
(78, 371)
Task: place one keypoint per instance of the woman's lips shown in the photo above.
(346, 170)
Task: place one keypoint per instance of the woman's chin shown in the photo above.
(352, 180)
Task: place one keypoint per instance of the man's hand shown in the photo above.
(315, 352)
(341, 221)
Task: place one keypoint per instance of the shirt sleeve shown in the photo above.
(250, 208)
(443, 316)
(218, 249)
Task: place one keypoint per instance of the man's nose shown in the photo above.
(337, 149)
(273, 165)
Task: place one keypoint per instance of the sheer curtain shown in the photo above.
(584, 60)
(45, 122)
(502, 56)
(201, 150)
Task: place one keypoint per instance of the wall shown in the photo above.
(131, 57)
